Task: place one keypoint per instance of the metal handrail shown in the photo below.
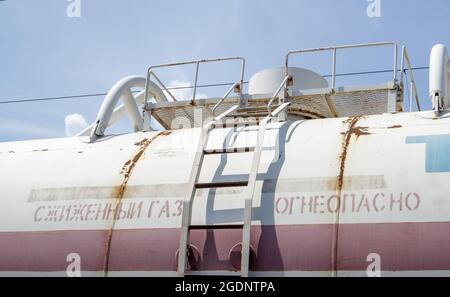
(335, 49)
(235, 87)
(413, 88)
(280, 109)
(150, 73)
(277, 92)
(162, 85)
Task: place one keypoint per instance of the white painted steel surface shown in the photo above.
(385, 179)
(43, 172)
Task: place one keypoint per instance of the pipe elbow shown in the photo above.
(439, 75)
(122, 89)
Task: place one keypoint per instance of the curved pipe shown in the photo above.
(110, 114)
(439, 77)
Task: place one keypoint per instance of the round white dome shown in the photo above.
(268, 81)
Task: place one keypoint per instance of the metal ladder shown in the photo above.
(194, 184)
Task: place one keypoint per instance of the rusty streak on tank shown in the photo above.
(395, 127)
(358, 131)
(119, 191)
(351, 130)
(142, 142)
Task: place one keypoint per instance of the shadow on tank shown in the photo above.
(221, 247)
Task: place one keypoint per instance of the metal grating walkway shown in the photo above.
(311, 104)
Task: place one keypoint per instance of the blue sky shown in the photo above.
(44, 53)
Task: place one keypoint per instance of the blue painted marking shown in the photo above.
(437, 151)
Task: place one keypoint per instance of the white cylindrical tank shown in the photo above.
(332, 194)
(268, 81)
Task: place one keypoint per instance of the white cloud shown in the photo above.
(74, 124)
(183, 94)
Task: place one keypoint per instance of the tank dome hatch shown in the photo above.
(267, 81)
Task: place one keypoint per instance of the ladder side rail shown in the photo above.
(188, 201)
(245, 258)
(246, 232)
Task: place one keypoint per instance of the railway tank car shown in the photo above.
(295, 178)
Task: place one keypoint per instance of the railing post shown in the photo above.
(241, 87)
(395, 60)
(402, 65)
(333, 84)
(146, 90)
(286, 73)
(407, 66)
(195, 83)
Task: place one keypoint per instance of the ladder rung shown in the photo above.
(235, 150)
(194, 273)
(221, 185)
(216, 227)
(236, 124)
(256, 108)
(248, 115)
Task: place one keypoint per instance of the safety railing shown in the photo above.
(151, 73)
(335, 49)
(413, 88)
(284, 84)
(237, 89)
